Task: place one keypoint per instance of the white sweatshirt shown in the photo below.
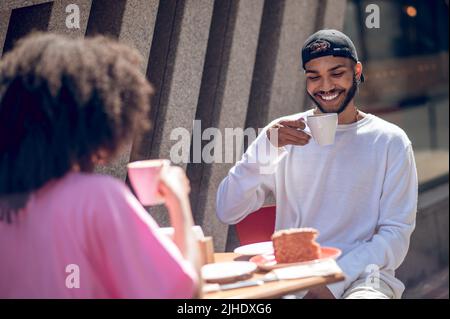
(360, 193)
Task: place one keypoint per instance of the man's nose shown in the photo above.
(327, 85)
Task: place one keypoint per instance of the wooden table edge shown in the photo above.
(278, 292)
(289, 287)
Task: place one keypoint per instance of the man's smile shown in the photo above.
(329, 96)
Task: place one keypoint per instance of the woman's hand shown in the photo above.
(174, 185)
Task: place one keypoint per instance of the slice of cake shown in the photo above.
(295, 245)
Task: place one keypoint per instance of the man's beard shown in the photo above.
(350, 95)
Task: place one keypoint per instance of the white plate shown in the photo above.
(262, 248)
(268, 262)
(227, 271)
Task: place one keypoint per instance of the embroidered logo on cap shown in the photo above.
(318, 46)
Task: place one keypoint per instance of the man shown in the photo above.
(360, 192)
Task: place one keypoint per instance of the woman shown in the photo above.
(66, 232)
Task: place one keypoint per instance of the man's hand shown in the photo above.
(289, 133)
(319, 293)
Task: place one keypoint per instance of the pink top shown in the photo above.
(88, 230)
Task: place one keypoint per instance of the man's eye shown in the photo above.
(314, 78)
(337, 75)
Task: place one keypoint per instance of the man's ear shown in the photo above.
(358, 70)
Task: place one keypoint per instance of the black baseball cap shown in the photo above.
(328, 42)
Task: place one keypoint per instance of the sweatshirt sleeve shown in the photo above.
(136, 261)
(244, 189)
(397, 212)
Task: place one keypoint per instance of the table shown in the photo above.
(274, 289)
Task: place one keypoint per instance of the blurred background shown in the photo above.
(236, 63)
(406, 63)
(406, 67)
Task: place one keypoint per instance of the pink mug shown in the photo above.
(144, 177)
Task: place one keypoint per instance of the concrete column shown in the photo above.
(225, 106)
(137, 24)
(183, 74)
(6, 6)
(334, 14)
(176, 68)
(278, 87)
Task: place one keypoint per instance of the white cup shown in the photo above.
(323, 127)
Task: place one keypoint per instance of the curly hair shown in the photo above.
(65, 103)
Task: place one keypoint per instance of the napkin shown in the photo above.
(324, 267)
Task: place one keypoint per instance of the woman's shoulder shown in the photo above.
(91, 185)
(92, 180)
(99, 194)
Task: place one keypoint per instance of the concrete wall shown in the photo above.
(428, 252)
(228, 63)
